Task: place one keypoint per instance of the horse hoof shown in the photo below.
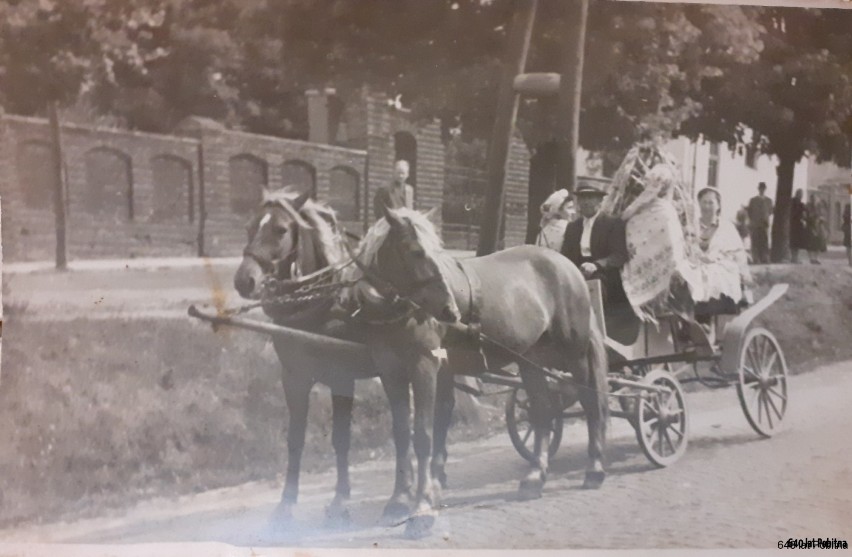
(394, 513)
(594, 479)
(281, 521)
(420, 525)
(337, 516)
(530, 489)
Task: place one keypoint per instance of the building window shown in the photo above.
(344, 194)
(248, 178)
(172, 200)
(109, 184)
(301, 176)
(713, 166)
(36, 172)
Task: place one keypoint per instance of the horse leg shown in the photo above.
(445, 402)
(341, 434)
(541, 415)
(423, 380)
(591, 373)
(297, 390)
(396, 387)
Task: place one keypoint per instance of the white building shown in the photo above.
(736, 173)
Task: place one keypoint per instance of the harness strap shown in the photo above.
(474, 309)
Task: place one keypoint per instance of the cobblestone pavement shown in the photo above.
(731, 489)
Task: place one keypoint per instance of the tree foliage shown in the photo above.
(795, 100)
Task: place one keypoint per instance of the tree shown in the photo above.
(795, 100)
(644, 78)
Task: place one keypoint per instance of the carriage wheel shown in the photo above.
(520, 429)
(762, 388)
(661, 419)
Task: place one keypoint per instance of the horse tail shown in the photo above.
(599, 367)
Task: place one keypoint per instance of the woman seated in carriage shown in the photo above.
(674, 266)
(723, 259)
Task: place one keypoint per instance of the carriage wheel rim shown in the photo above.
(517, 414)
(762, 388)
(661, 422)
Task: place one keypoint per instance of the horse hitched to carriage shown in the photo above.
(400, 308)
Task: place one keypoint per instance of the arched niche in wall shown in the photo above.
(248, 176)
(109, 184)
(300, 175)
(344, 195)
(173, 189)
(36, 174)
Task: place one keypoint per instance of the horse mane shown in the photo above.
(315, 218)
(323, 220)
(368, 248)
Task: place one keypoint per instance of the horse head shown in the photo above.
(410, 259)
(289, 237)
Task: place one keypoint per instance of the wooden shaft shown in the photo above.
(356, 355)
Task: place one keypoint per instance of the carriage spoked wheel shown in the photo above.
(661, 419)
(520, 429)
(762, 386)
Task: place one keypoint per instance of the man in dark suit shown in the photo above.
(596, 243)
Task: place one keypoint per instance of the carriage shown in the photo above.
(645, 379)
(550, 330)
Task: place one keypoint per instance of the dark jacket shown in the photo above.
(609, 252)
(391, 198)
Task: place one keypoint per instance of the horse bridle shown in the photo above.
(387, 289)
(273, 267)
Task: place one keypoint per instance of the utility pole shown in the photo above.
(520, 34)
(60, 198)
(570, 94)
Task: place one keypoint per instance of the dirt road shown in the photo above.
(731, 489)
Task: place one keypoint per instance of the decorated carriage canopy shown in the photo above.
(667, 271)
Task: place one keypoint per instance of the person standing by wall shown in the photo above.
(399, 194)
(798, 228)
(759, 212)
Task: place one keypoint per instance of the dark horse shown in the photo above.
(529, 300)
(292, 237)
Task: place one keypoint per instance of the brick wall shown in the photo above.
(225, 230)
(107, 230)
(136, 194)
(116, 209)
(383, 124)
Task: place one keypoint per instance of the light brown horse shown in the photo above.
(531, 301)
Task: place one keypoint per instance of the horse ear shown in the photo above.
(300, 201)
(430, 214)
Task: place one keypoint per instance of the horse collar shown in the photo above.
(474, 299)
